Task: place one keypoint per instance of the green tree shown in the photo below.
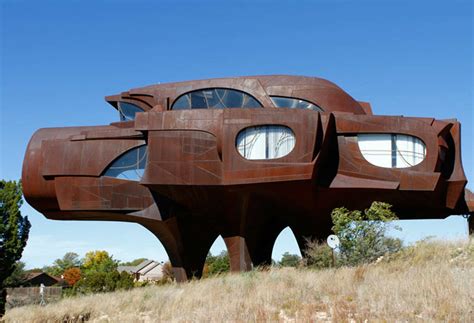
(289, 260)
(99, 274)
(135, 262)
(14, 230)
(110, 280)
(91, 282)
(363, 234)
(69, 260)
(125, 281)
(17, 277)
(215, 265)
(99, 260)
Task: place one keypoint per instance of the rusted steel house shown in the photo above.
(243, 158)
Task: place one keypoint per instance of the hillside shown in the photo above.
(428, 282)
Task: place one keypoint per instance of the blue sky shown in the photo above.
(60, 58)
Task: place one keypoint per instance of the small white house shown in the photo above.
(147, 270)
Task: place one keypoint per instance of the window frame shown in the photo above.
(395, 152)
(236, 146)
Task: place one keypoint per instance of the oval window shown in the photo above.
(130, 165)
(391, 150)
(215, 98)
(265, 142)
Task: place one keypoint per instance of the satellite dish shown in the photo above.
(333, 241)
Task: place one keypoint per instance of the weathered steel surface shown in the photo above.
(197, 186)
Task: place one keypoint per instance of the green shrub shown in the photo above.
(143, 283)
(363, 235)
(215, 265)
(125, 281)
(289, 260)
(317, 255)
(91, 282)
(98, 281)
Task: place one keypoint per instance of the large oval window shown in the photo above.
(215, 98)
(265, 142)
(130, 165)
(391, 150)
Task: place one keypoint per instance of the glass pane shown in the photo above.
(410, 151)
(280, 141)
(294, 103)
(183, 102)
(216, 98)
(127, 111)
(129, 166)
(198, 100)
(233, 99)
(283, 102)
(265, 142)
(391, 150)
(376, 149)
(250, 102)
(251, 143)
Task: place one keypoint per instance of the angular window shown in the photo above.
(130, 165)
(265, 142)
(391, 150)
(294, 103)
(127, 111)
(215, 99)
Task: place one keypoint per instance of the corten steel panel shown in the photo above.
(91, 193)
(196, 185)
(83, 158)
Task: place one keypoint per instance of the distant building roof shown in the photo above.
(142, 268)
(32, 275)
(128, 269)
(38, 278)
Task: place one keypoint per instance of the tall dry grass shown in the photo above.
(429, 282)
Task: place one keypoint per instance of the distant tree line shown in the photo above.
(96, 272)
(362, 237)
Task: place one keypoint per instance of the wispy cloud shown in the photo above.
(42, 250)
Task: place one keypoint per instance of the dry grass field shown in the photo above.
(429, 282)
